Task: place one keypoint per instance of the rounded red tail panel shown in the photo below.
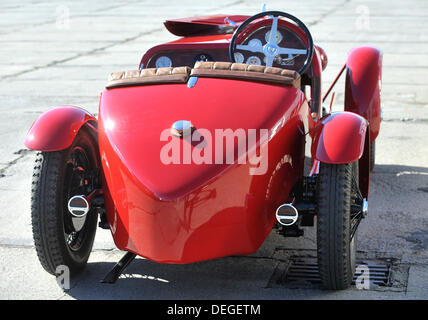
(187, 212)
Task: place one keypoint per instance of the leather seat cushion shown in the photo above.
(225, 70)
(242, 71)
(148, 76)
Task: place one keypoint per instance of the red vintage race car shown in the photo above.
(200, 152)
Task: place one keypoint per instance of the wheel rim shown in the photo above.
(77, 182)
(356, 214)
(356, 207)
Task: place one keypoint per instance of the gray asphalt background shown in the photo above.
(46, 61)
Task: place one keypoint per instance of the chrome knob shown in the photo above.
(181, 128)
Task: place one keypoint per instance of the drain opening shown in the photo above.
(306, 271)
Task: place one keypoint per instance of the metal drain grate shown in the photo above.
(378, 274)
(303, 271)
(306, 271)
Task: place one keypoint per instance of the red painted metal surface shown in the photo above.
(181, 213)
(339, 138)
(56, 129)
(202, 25)
(323, 57)
(315, 73)
(213, 19)
(363, 86)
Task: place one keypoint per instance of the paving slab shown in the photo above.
(47, 61)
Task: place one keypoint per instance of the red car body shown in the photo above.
(188, 213)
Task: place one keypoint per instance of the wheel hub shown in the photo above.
(271, 50)
(78, 207)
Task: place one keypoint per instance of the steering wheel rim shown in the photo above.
(300, 24)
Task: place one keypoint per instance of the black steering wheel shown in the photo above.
(271, 49)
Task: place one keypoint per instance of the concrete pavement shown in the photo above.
(61, 53)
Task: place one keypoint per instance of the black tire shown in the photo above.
(49, 214)
(372, 155)
(336, 250)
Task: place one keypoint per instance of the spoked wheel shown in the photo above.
(59, 238)
(339, 213)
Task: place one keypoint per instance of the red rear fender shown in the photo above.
(56, 129)
(363, 86)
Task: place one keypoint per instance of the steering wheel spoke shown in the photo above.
(269, 61)
(252, 48)
(273, 31)
(292, 51)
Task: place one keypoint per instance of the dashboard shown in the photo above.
(187, 55)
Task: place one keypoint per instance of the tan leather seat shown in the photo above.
(225, 70)
(242, 71)
(148, 76)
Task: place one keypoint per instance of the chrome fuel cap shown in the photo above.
(181, 128)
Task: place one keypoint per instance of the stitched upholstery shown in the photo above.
(148, 76)
(242, 71)
(225, 70)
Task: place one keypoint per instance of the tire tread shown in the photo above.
(334, 191)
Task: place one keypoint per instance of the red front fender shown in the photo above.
(56, 129)
(339, 138)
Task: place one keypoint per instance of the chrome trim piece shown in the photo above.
(78, 211)
(192, 82)
(230, 22)
(365, 207)
(181, 128)
(286, 214)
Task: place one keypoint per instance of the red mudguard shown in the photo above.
(342, 137)
(56, 129)
(339, 138)
(363, 86)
